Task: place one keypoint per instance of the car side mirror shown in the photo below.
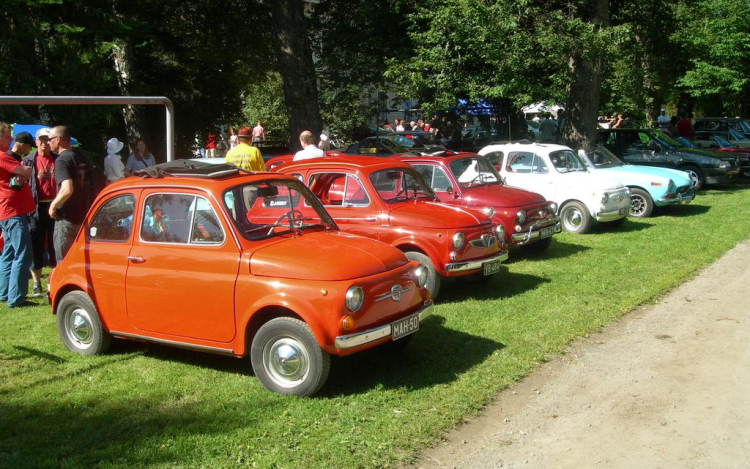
(449, 190)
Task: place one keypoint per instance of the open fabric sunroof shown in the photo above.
(188, 168)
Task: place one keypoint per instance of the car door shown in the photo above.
(530, 171)
(183, 268)
(347, 200)
(639, 149)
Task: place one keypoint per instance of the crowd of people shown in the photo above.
(674, 126)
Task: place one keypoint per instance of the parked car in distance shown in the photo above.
(214, 259)
(707, 127)
(722, 145)
(559, 175)
(387, 200)
(651, 147)
(649, 186)
(470, 180)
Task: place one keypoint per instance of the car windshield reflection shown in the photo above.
(474, 171)
(566, 161)
(400, 185)
(604, 158)
(265, 209)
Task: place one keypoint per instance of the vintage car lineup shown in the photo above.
(249, 264)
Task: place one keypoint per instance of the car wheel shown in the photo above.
(641, 203)
(575, 218)
(287, 359)
(696, 176)
(433, 279)
(79, 325)
(539, 246)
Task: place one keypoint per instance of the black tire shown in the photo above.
(539, 246)
(641, 203)
(433, 279)
(287, 359)
(696, 175)
(79, 325)
(614, 223)
(575, 218)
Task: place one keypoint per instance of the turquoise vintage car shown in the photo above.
(649, 186)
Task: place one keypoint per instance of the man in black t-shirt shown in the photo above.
(72, 174)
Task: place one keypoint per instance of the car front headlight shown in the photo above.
(458, 240)
(521, 216)
(489, 211)
(553, 207)
(355, 296)
(500, 230)
(420, 273)
(605, 198)
(725, 164)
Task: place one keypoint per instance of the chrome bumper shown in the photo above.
(474, 264)
(680, 199)
(527, 236)
(611, 216)
(361, 338)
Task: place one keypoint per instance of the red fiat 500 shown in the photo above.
(470, 180)
(214, 259)
(385, 199)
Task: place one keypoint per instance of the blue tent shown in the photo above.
(33, 128)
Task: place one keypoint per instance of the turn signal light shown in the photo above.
(347, 323)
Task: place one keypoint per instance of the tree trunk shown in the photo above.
(294, 56)
(122, 55)
(584, 89)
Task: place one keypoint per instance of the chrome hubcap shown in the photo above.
(637, 205)
(573, 219)
(79, 327)
(286, 361)
(694, 177)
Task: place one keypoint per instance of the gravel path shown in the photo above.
(668, 386)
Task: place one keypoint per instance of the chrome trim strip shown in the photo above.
(681, 198)
(385, 296)
(174, 343)
(361, 338)
(475, 264)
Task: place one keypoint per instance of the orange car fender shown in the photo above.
(423, 244)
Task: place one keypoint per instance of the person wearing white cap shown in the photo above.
(663, 119)
(43, 189)
(114, 170)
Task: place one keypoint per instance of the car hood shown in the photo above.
(501, 196)
(319, 256)
(585, 180)
(646, 174)
(435, 215)
(708, 153)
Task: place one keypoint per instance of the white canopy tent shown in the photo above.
(533, 109)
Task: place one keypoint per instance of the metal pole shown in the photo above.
(103, 100)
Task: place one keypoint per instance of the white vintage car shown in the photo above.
(558, 173)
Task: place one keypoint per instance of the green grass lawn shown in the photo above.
(144, 404)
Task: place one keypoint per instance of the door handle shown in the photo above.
(137, 259)
(371, 218)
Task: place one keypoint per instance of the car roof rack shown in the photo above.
(189, 168)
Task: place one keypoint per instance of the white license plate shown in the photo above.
(546, 232)
(405, 326)
(491, 267)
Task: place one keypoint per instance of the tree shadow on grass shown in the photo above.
(436, 355)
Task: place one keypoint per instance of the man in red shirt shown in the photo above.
(15, 203)
(44, 189)
(685, 128)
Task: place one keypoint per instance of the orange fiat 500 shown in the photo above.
(387, 200)
(211, 258)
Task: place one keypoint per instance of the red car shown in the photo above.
(206, 257)
(470, 180)
(385, 199)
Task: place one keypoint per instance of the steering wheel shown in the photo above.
(291, 216)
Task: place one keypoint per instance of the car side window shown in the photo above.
(495, 157)
(339, 189)
(520, 162)
(113, 221)
(206, 228)
(167, 218)
(435, 176)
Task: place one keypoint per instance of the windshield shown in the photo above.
(566, 161)
(664, 139)
(604, 158)
(745, 126)
(265, 209)
(722, 142)
(685, 142)
(474, 171)
(400, 185)
(736, 135)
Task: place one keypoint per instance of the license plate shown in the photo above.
(546, 232)
(623, 211)
(404, 326)
(491, 267)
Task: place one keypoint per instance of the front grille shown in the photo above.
(484, 242)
